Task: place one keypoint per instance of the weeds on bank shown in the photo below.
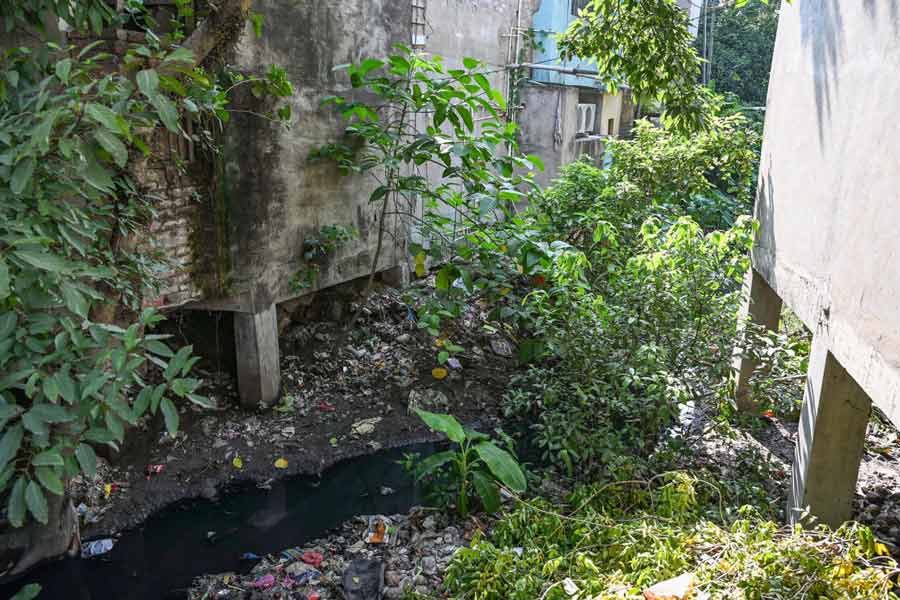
(611, 541)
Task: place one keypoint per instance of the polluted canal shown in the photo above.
(162, 558)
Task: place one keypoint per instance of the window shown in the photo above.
(586, 117)
(611, 127)
(578, 5)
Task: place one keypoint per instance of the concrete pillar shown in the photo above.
(258, 368)
(830, 441)
(763, 306)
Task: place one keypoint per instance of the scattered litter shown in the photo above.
(678, 588)
(281, 463)
(82, 509)
(364, 580)
(289, 432)
(326, 406)
(427, 399)
(570, 587)
(97, 547)
(439, 373)
(250, 556)
(365, 426)
(333, 441)
(454, 363)
(155, 470)
(109, 488)
(379, 530)
(238, 462)
(387, 491)
(264, 582)
(501, 347)
(313, 558)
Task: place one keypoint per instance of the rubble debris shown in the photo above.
(677, 588)
(364, 580)
(97, 547)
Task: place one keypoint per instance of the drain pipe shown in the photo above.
(558, 69)
(516, 59)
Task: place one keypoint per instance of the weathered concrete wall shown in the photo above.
(830, 230)
(830, 237)
(547, 126)
(275, 198)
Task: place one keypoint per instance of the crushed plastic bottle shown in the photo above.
(97, 547)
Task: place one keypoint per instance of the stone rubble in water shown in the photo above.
(422, 543)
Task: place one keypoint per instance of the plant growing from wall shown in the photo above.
(316, 248)
(476, 467)
(445, 168)
(78, 363)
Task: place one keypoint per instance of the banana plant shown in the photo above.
(476, 464)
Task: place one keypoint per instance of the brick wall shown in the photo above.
(177, 200)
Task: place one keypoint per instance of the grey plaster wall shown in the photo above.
(828, 202)
(275, 197)
(547, 127)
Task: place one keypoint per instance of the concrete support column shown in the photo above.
(830, 440)
(763, 306)
(258, 368)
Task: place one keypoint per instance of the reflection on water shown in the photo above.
(160, 559)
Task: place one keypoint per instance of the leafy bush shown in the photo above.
(611, 541)
(476, 466)
(428, 118)
(78, 364)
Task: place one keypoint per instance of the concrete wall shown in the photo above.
(274, 197)
(547, 126)
(830, 234)
(830, 238)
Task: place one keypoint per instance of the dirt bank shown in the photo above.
(338, 403)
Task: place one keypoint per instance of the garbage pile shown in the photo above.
(369, 558)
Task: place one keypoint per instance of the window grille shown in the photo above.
(587, 114)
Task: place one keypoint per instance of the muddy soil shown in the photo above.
(338, 403)
(762, 449)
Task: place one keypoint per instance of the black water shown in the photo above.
(160, 559)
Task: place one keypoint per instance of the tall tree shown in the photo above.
(744, 37)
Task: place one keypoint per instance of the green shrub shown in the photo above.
(611, 541)
(476, 467)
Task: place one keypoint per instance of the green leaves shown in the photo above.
(503, 466)
(646, 43)
(171, 415)
(148, 82)
(43, 260)
(29, 592)
(487, 491)
(15, 508)
(21, 175)
(432, 463)
(87, 459)
(112, 144)
(36, 502)
(50, 480)
(103, 115)
(9, 444)
(66, 139)
(446, 424)
(48, 458)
